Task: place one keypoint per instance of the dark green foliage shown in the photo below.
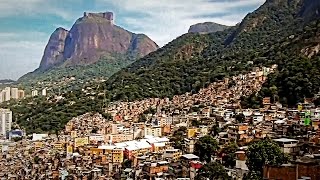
(297, 77)
(264, 152)
(212, 170)
(240, 118)
(150, 110)
(192, 61)
(103, 68)
(205, 148)
(273, 34)
(142, 118)
(229, 158)
(178, 137)
(42, 115)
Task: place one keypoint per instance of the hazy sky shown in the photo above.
(26, 25)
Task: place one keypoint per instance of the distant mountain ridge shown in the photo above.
(6, 81)
(207, 27)
(92, 36)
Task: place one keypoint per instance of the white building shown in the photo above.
(14, 93)
(5, 121)
(5, 95)
(34, 93)
(44, 92)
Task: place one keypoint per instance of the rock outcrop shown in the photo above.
(91, 37)
(207, 27)
(53, 53)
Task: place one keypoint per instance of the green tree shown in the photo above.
(178, 137)
(240, 118)
(264, 152)
(229, 158)
(205, 148)
(212, 170)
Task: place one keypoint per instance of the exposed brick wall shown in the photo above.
(289, 172)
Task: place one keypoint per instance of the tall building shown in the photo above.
(1, 97)
(10, 93)
(5, 121)
(6, 96)
(21, 94)
(14, 93)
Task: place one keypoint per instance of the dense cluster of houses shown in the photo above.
(132, 147)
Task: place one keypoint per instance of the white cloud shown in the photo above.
(167, 19)
(18, 56)
(161, 20)
(32, 7)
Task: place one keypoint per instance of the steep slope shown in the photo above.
(53, 53)
(221, 54)
(91, 37)
(94, 48)
(192, 61)
(207, 27)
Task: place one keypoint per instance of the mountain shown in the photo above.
(283, 32)
(53, 53)
(194, 60)
(207, 27)
(91, 37)
(6, 81)
(94, 48)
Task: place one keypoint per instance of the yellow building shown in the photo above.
(192, 132)
(115, 138)
(172, 154)
(117, 155)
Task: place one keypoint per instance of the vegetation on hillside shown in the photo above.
(272, 34)
(297, 77)
(261, 153)
(103, 68)
(193, 61)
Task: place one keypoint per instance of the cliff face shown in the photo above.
(207, 27)
(91, 37)
(53, 53)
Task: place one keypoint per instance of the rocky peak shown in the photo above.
(91, 37)
(207, 27)
(105, 15)
(53, 53)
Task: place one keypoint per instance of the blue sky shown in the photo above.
(26, 25)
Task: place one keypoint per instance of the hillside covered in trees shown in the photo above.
(275, 33)
(280, 31)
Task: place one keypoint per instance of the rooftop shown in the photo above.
(285, 140)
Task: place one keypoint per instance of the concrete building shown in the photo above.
(5, 121)
(303, 168)
(287, 145)
(14, 93)
(34, 93)
(172, 154)
(44, 92)
(152, 131)
(5, 94)
(21, 94)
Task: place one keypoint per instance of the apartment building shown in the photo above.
(5, 121)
